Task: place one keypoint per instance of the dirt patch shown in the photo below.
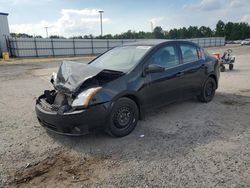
(245, 91)
(59, 168)
(231, 102)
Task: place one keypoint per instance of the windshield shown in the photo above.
(121, 58)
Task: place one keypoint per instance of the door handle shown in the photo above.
(179, 74)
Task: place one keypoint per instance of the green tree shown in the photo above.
(56, 37)
(205, 31)
(220, 29)
(193, 32)
(183, 33)
(173, 33)
(38, 36)
(158, 32)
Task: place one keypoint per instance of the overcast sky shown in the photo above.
(80, 17)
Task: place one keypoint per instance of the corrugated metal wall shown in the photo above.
(32, 47)
(209, 42)
(4, 31)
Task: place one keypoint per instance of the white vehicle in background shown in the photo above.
(237, 41)
(245, 42)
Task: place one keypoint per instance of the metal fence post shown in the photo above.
(16, 51)
(36, 47)
(92, 46)
(210, 42)
(52, 47)
(74, 47)
(7, 44)
(107, 44)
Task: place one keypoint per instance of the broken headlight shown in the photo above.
(82, 100)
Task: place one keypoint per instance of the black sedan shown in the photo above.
(114, 90)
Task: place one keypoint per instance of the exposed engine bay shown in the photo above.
(74, 81)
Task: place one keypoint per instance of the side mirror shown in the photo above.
(153, 68)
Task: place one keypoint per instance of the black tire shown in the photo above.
(208, 90)
(222, 68)
(231, 66)
(123, 117)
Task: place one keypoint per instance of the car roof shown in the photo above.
(150, 42)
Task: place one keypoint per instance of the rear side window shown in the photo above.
(206, 54)
(201, 53)
(166, 56)
(189, 53)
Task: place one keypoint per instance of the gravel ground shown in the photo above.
(186, 144)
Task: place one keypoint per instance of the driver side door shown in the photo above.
(164, 87)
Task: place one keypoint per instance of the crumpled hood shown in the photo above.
(71, 75)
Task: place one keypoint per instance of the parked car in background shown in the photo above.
(114, 90)
(230, 42)
(245, 42)
(237, 41)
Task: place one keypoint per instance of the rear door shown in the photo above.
(193, 66)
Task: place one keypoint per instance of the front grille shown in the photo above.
(48, 107)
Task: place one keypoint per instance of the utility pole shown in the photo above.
(101, 12)
(152, 26)
(47, 34)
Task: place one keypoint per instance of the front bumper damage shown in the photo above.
(55, 110)
(74, 123)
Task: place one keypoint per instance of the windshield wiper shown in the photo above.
(113, 71)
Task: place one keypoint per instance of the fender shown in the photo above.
(213, 75)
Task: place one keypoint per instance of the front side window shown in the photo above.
(189, 53)
(166, 57)
(121, 58)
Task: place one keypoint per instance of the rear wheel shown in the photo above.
(222, 68)
(208, 90)
(231, 66)
(123, 117)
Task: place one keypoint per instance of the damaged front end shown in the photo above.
(72, 107)
(53, 101)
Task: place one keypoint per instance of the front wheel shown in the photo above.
(208, 90)
(123, 117)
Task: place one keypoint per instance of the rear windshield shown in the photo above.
(121, 58)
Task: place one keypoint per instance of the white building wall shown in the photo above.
(4, 31)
